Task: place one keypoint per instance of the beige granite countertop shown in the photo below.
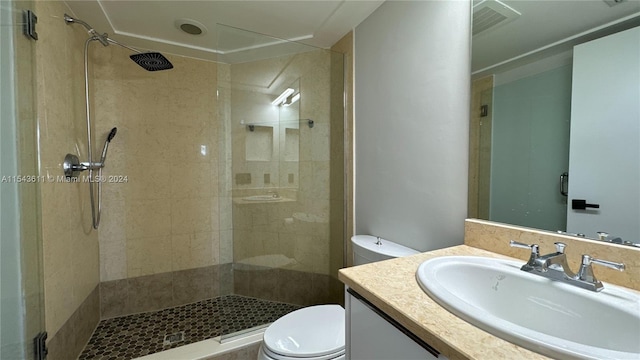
(392, 286)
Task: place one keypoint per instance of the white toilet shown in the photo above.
(318, 332)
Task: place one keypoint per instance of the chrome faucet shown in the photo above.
(554, 266)
(554, 261)
(604, 236)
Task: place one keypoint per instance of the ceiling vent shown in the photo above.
(490, 14)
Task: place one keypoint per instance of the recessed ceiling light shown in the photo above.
(191, 26)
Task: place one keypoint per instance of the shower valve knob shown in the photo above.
(71, 166)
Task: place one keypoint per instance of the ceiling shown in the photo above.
(545, 22)
(151, 24)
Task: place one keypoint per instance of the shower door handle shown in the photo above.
(564, 183)
(579, 204)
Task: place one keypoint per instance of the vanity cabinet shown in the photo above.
(374, 335)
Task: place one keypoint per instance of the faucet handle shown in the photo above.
(533, 247)
(560, 246)
(535, 253)
(588, 260)
(586, 270)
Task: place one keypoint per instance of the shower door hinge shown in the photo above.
(40, 346)
(30, 20)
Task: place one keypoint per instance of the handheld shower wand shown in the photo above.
(110, 137)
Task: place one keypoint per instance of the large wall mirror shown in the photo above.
(555, 114)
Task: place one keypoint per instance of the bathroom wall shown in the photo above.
(70, 247)
(160, 211)
(412, 80)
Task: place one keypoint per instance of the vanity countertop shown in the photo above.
(392, 286)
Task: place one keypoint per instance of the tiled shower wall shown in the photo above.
(164, 216)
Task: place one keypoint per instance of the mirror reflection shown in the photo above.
(554, 128)
(268, 141)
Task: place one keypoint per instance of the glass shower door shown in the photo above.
(21, 287)
(280, 105)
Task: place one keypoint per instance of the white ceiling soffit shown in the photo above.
(545, 22)
(151, 24)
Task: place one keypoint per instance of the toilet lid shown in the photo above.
(306, 333)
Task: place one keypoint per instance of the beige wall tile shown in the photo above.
(149, 142)
(191, 215)
(320, 142)
(191, 144)
(189, 74)
(148, 255)
(86, 274)
(55, 228)
(147, 218)
(192, 181)
(113, 240)
(58, 292)
(226, 246)
(147, 179)
(113, 261)
(193, 250)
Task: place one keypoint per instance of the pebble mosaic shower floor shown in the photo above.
(132, 336)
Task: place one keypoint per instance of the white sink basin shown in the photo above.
(548, 317)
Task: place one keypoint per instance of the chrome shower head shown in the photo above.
(152, 61)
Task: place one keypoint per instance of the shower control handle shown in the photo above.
(72, 166)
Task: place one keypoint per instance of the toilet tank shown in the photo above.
(367, 250)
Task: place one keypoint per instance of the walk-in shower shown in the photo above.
(251, 227)
(150, 61)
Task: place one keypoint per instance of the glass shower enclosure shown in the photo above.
(21, 285)
(281, 170)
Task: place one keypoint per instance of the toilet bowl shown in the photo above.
(318, 332)
(311, 333)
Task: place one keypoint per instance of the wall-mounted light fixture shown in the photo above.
(291, 100)
(283, 97)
